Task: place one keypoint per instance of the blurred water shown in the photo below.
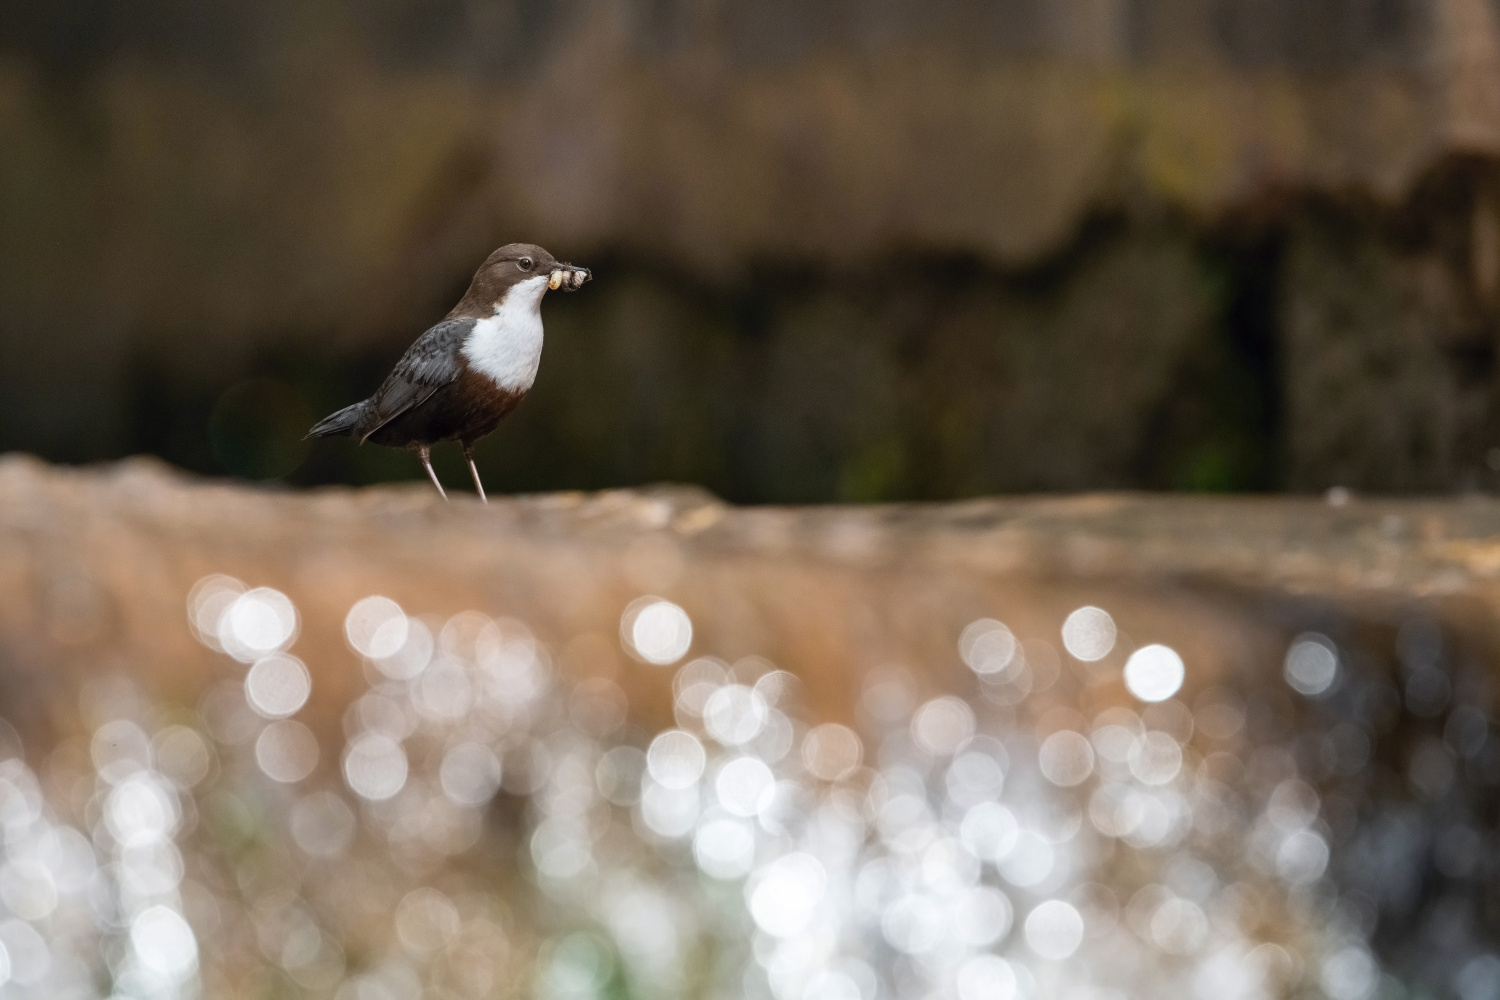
(482, 826)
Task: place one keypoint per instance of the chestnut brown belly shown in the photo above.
(465, 409)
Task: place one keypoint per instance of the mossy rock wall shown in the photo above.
(850, 252)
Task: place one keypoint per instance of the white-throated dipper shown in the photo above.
(467, 372)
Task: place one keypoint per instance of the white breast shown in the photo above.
(507, 346)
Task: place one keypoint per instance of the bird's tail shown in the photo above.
(345, 421)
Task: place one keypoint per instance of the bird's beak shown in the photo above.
(568, 278)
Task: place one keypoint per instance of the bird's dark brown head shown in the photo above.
(511, 265)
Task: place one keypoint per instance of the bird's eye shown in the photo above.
(525, 263)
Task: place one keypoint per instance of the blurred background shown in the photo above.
(858, 251)
(642, 743)
(368, 745)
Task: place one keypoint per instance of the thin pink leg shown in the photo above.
(426, 455)
(473, 471)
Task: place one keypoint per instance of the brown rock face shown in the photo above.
(98, 568)
(1288, 700)
(1186, 244)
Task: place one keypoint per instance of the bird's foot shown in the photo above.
(474, 471)
(425, 453)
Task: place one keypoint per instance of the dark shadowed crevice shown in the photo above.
(1303, 344)
(1219, 428)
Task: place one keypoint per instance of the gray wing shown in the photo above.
(428, 365)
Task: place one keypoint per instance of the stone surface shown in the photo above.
(721, 133)
(453, 829)
(96, 566)
(1298, 198)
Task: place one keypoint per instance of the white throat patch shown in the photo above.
(507, 346)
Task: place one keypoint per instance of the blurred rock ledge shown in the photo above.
(96, 566)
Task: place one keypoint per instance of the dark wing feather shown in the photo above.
(428, 365)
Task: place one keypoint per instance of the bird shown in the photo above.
(461, 377)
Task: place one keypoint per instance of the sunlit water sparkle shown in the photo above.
(481, 826)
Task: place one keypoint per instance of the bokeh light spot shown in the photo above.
(986, 977)
(1312, 664)
(120, 748)
(982, 916)
(943, 725)
(1054, 930)
(1089, 634)
(676, 759)
(1349, 974)
(1154, 673)
(785, 894)
(258, 622)
(735, 714)
(182, 755)
(1302, 857)
(1155, 759)
(470, 773)
(375, 766)
(277, 685)
(988, 647)
(742, 784)
(376, 627)
(831, 752)
(164, 942)
(724, 849)
(656, 631)
(1066, 758)
(286, 751)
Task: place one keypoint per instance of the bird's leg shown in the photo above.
(425, 452)
(469, 454)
